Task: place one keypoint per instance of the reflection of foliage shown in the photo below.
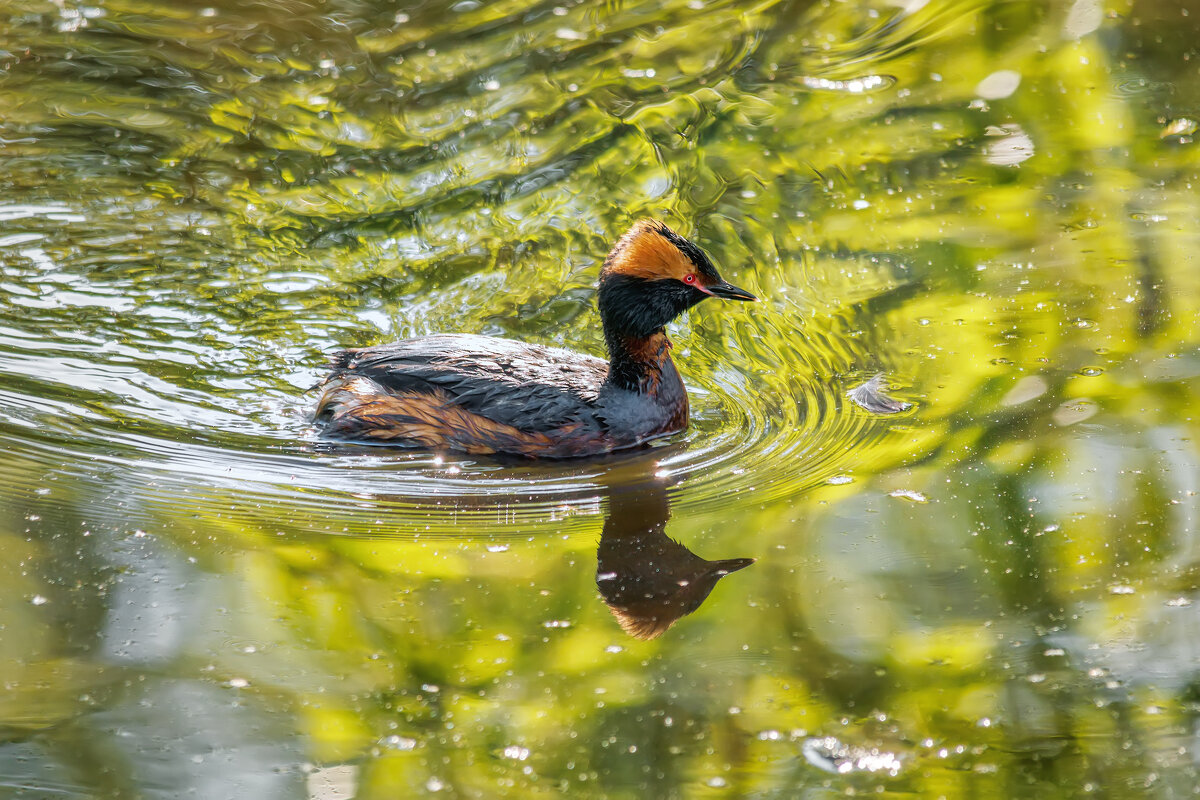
(256, 185)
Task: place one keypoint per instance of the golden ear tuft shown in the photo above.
(646, 252)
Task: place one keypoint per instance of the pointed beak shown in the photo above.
(727, 291)
(728, 565)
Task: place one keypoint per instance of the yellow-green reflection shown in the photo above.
(989, 593)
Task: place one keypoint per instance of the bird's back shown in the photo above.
(476, 394)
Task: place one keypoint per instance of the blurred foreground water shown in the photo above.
(958, 436)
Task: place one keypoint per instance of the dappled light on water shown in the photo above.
(931, 531)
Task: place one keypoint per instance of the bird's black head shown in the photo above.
(651, 277)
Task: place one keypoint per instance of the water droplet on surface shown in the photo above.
(832, 755)
(395, 742)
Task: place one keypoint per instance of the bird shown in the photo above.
(647, 579)
(487, 395)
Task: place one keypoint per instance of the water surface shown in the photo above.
(974, 578)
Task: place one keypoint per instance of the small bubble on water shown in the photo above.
(1121, 588)
(839, 480)
(238, 683)
(1179, 602)
(497, 548)
(1091, 372)
(614, 648)
(715, 782)
(516, 752)
(395, 742)
(38, 600)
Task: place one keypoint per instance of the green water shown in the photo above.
(989, 594)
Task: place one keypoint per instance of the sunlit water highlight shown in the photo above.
(957, 434)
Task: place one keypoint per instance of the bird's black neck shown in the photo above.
(638, 364)
(633, 316)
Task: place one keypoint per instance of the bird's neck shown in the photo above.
(639, 364)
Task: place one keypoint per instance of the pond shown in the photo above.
(957, 436)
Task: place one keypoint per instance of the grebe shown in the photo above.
(647, 579)
(481, 394)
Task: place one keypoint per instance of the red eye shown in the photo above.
(689, 279)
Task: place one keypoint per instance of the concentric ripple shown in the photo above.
(182, 407)
(245, 213)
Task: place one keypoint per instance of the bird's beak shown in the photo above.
(727, 291)
(728, 565)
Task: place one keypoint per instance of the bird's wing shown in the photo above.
(509, 382)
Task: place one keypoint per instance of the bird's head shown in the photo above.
(652, 276)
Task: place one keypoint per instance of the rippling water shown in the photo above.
(983, 589)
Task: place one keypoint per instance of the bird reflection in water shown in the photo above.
(647, 579)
